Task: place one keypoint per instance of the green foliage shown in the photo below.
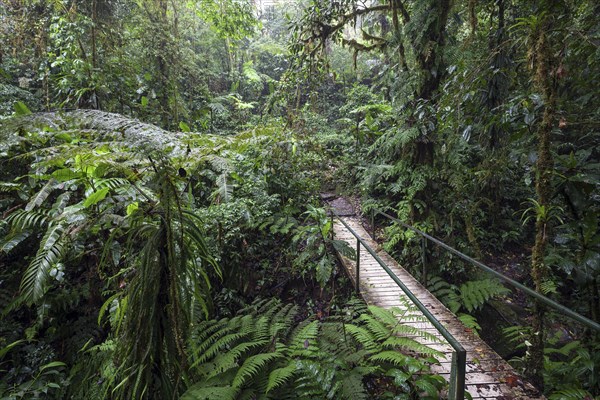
(570, 366)
(314, 242)
(79, 197)
(263, 352)
(469, 296)
(231, 19)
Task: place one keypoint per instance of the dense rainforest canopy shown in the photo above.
(162, 234)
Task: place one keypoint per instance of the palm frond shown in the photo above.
(13, 240)
(41, 196)
(51, 251)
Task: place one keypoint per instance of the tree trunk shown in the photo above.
(543, 63)
(430, 52)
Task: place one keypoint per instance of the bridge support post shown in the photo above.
(424, 260)
(373, 223)
(456, 390)
(332, 233)
(357, 265)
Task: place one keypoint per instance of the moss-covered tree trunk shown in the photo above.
(542, 58)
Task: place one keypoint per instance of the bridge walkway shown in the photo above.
(488, 376)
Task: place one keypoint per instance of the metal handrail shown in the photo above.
(543, 299)
(459, 355)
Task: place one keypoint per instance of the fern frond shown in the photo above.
(279, 376)
(252, 366)
(570, 394)
(224, 191)
(198, 392)
(380, 330)
(364, 337)
(388, 317)
(282, 320)
(474, 294)
(391, 357)
(223, 343)
(344, 249)
(207, 332)
(470, 322)
(410, 345)
(304, 340)
(352, 386)
(230, 358)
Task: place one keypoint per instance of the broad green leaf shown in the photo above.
(8, 347)
(65, 174)
(184, 127)
(95, 197)
(53, 364)
(21, 108)
(132, 207)
(64, 136)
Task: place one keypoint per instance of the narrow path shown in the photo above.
(488, 375)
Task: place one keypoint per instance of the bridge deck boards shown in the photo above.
(488, 375)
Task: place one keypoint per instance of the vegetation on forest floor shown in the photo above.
(476, 122)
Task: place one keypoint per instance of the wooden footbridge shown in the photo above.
(484, 374)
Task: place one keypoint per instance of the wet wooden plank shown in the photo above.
(488, 375)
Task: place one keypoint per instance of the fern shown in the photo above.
(391, 357)
(252, 366)
(197, 392)
(570, 394)
(475, 294)
(223, 343)
(280, 376)
(230, 358)
(261, 353)
(471, 296)
(364, 337)
(470, 322)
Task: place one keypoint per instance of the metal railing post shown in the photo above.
(424, 261)
(357, 265)
(456, 391)
(332, 235)
(373, 223)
